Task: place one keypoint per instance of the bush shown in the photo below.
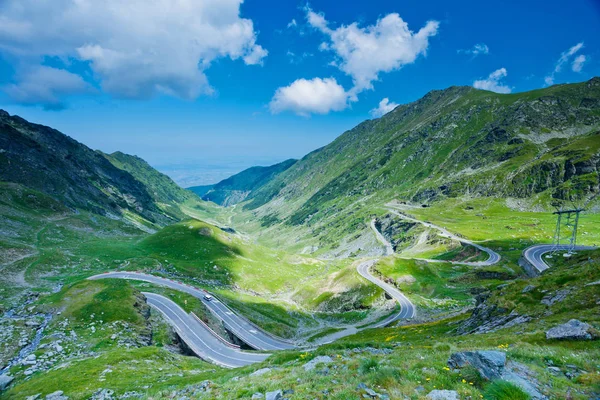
(368, 365)
(385, 377)
(503, 390)
(472, 375)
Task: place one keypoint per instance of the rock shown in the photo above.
(103, 394)
(528, 289)
(5, 380)
(572, 330)
(309, 366)
(558, 297)
(490, 364)
(261, 371)
(361, 386)
(58, 395)
(257, 395)
(443, 395)
(276, 395)
(34, 397)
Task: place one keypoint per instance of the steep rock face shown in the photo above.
(43, 159)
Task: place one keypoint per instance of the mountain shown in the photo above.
(238, 187)
(43, 159)
(542, 144)
(165, 192)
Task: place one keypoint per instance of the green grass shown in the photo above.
(502, 390)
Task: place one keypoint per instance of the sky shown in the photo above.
(202, 89)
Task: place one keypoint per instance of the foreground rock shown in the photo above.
(443, 395)
(493, 365)
(5, 380)
(309, 366)
(276, 395)
(490, 364)
(572, 330)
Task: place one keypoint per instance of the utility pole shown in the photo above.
(566, 229)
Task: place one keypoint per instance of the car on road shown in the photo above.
(208, 297)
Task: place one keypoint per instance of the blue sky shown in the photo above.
(204, 88)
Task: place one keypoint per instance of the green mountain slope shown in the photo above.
(165, 192)
(47, 161)
(236, 188)
(543, 144)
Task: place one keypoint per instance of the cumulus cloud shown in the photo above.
(477, 49)
(45, 86)
(578, 63)
(492, 82)
(384, 107)
(363, 53)
(314, 96)
(136, 48)
(565, 57)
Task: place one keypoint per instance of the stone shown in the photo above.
(261, 371)
(557, 298)
(528, 289)
(275, 395)
(490, 364)
(257, 396)
(572, 330)
(58, 395)
(34, 397)
(309, 366)
(443, 395)
(103, 394)
(5, 380)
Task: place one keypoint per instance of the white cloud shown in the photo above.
(363, 53)
(45, 86)
(136, 48)
(477, 49)
(578, 63)
(292, 23)
(305, 97)
(384, 107)
(564, 58)
(492, 82)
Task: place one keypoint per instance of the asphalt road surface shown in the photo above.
(407, 309)
(199, 339)
(534, 254)
(238, 325)
(493, 257)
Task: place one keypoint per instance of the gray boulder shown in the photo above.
(443, 395)
(572, 330)
(261, 371)
(5, 380)
(309, 366)
(58, 395)
(490, 364)
(257, 396)
(276, 395)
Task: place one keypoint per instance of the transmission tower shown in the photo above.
(566, 229)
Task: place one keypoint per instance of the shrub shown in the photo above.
(368, 365)
(503, 390)
(385, 377)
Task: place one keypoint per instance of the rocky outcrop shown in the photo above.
(443, 395)
(488, 317)
(572, 330)
(490, 364)
(5, 380)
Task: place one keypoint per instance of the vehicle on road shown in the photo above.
(208, 297)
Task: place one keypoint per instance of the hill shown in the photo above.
(43, 159)
(540, 147)
(238, 187)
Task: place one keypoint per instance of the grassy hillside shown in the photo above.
(541, 147)
(166, 193)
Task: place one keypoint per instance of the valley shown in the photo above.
(365, 267)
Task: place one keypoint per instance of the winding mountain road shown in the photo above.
(249, 333)
(199, 338)
(493, 257)
(534, 254)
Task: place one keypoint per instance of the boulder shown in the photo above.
(490, 364)
(261, 371)
(5, 380)
(257, 396)
(443, 395)
(309, 366)
(572, 330)
(58, 395)
(276, 395)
